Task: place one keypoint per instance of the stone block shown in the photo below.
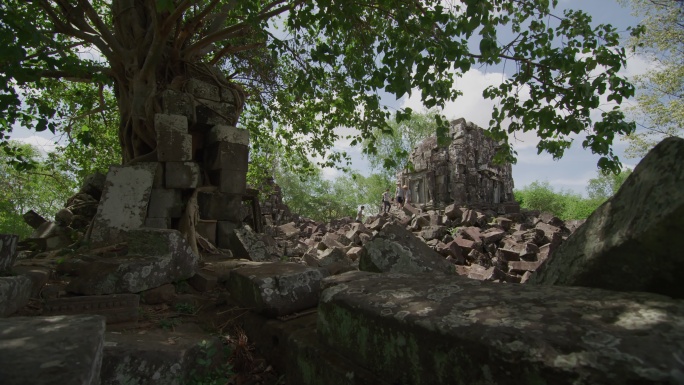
(155, 257)
(203, 282)
(229, 181)
(129, 187)
(482, 333)
(8, 251)
(179, 103)
(207, 229)
(39, 276)
(211, 113)
(228, 134)
(225, 234)
(115, 308)
(220, 206)
(183, 175)
(253, 246)
(165, 203)
(633, 242)
(65, 350)
(276, 289)
(165, 123)
(228, 156)
(33, 219)
(173, 146)
(395, 249)
(15, 292)
(202, 90)
(158, 223)
(160, 357)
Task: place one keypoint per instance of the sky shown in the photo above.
(571, 173)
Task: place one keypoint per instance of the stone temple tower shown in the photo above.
(462, 172)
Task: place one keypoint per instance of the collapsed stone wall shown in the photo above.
(196, 181)
(462, 172)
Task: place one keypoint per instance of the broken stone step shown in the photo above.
(427, 329)
(116, 308)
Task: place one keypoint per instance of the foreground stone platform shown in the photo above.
(59, 350)
(428, 329)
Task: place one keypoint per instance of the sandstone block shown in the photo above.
(15, 292)
(276, 289)
(229, 181)
(129, 187)
(179, 103)
(395, 249)
(228, 134)
(220, 206)
(165, 203)
(633, 242)
(183, 175)
(8, 251)
(115, 308)
(202, 90)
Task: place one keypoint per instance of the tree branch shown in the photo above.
(104, 31)
(230, 32)
(232, 49)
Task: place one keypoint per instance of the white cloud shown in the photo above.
(42, 144)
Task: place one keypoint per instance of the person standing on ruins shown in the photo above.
(399, 194)
(359, 215)
(386, 201)
(407, 195)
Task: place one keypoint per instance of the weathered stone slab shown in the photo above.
(59, 350)
(8, 251)
(276, 289)
(165, 203)
(129, 187)
(174, 144)
(395, 249)
(229, 181)
(15, 292)
(427, 329)
(155, 257)
(39, 276)
(159, 357)
(250, 245)
(633, 242)
(115, 308)
(220, 206)
(33, 219)
(183, 175)
(228, 134)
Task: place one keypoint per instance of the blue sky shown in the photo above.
(570, 173)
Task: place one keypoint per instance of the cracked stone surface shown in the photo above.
(431, 329)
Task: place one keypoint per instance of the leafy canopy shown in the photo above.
(660, 100)
(310, 68)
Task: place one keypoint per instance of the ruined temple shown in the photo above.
(461, 172)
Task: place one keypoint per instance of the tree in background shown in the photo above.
(567, 205)
(41, 188)
(389, 153)
(311, 67)
(605, 185)
(661, 90)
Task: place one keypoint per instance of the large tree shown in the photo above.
(660, 100)
(310, 67)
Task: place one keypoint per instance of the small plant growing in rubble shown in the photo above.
(184, 308)
(169, 323)
(205, 375)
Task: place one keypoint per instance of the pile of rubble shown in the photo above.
(472, 242)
